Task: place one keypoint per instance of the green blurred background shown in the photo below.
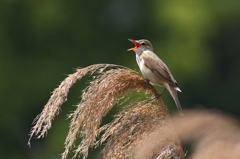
(42, 41)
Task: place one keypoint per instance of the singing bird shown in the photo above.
(155, 70)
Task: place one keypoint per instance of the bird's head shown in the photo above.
(141, 45)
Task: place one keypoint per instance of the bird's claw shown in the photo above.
(159, 95)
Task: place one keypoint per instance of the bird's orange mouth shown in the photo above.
(137, 45)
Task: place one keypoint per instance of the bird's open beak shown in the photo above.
(137, 45)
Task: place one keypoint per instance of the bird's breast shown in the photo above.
(148, 73)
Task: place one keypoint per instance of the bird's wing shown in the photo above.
(158, 67)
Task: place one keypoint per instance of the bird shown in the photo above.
(155, 70)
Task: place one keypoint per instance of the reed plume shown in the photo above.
(210, 133)
(131, 127)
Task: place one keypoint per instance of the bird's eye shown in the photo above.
(142, 43)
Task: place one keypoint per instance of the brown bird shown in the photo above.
(155, 70)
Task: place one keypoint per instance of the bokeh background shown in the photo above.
(43, 41)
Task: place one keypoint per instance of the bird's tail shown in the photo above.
(174, 95)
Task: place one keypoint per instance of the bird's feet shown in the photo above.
(159, 94)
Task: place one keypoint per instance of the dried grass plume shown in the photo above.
(210, 133)
(133, 126)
